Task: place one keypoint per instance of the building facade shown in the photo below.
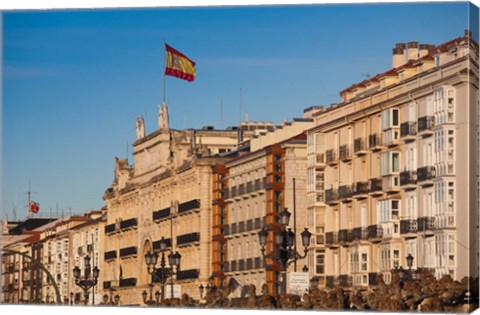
(166, 194)
(390, 168)
(249, 192)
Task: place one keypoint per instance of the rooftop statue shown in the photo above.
(163, 116)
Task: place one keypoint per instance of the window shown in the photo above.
(390, 119)
(389, 163)
(388, 210)
(320, 262)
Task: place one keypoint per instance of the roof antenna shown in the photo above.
(221, 114)
(241, 104)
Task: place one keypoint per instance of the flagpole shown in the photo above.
(164, 68)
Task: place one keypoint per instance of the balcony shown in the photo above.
(189, 205)
(129, 282)
(425, 125)
(161, 214)
(408, 131)
(345, 193)
(128, 224)
(375, 232)
(360, 147)
(375, 186)
(425, 175)
(359, 234)
(186, 239)
(331, 239)
(331, 196)
(375, 142)
(360, 190)
(331, 157)
(188, 274)
(408, 180)
(426, 224)
(408, 226)
(128, 251)
(345, 153)
(344, 236)
(109, 229)
(110, 255)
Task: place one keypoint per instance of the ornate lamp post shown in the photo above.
(284, 253)
(174, 262)
(163, 273)
(151, 301)
(88, 280)
(114, 300)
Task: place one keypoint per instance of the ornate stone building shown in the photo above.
(166, 193)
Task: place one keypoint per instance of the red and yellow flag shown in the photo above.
(178, 65)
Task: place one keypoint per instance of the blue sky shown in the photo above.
(74, 81)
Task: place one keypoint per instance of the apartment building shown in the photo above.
(165, 194)
(22, 280)
(392, 169)
(84, 239)
(249, 191)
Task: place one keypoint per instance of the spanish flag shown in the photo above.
(178, 65)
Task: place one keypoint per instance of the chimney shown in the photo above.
(467, 33)
(398, 56)
(412, 50)
(246, 116)
(423, 50)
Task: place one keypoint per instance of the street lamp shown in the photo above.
(151, 301)
(113, 299)
(88, 280)
(163, 273)
(284, 240)
(409, 259)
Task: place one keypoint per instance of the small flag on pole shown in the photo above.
(33, 207)
(178, 65)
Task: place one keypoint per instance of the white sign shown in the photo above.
(177, 291)
(298, 283)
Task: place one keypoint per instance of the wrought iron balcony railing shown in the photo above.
(408, 226)
(375, 184)
(331, 156)
(426, 123)
(331, 195)
(344, 191)
(375, 231)
(360, 233)
(188, 238)
(426, 223)
(189, 205)
(160, 214)
(130, 223)
(110, 255)
(344, 236)
(408, 128)
(426, 173)
(359, 188)
(128, 251)
(345, 152)
(374, 141)
(408, 178)
(129, 282)
(188, 274)
(331, 238)
(359, 146)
